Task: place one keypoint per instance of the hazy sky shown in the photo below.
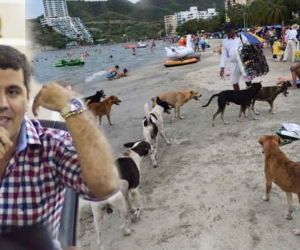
(34, 8)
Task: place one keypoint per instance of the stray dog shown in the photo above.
(153, 124)
(96, 97)
(129, 172)
(269, 94)
(100, 109)
(177, 99)
(239, 97)
(282, 171)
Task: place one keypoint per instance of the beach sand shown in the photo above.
(206, 192)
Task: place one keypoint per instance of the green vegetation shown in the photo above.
(114, 31)
(45, 36)
(266, 12)
(259, 13)
(144, 10)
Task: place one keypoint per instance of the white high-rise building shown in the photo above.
(231, 3)
(170, 24)
(55, 8)
(56, 16)
(193, 13)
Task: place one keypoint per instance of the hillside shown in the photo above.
(111, 19)
(144, 10)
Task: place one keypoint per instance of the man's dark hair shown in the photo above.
(229, 26)
(11, 58)
(117, 66)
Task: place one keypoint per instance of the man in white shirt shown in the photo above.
(229, 47)
(292, 40)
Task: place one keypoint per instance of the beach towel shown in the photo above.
(289, 132)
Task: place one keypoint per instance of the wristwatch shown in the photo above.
(74, 107)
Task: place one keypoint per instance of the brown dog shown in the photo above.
(177, 99)
(100, 109)
(282, 171)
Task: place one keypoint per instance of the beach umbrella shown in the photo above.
(254, 39)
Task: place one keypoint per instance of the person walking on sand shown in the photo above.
(202, 43)
(229, 47)
(292, 40)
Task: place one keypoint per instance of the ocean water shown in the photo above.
(96, 64)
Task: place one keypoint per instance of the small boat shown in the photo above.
(171, 63)
(62, 63)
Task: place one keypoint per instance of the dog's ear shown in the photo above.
(278, 139)
(262, 140)
(129, 144)
(154, 101)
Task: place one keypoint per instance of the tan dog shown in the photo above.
(100, 109)
(177, 99)
(282, 171)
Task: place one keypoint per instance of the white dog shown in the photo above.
(129, 170)
(153, 124)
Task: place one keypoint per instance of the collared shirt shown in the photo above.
(32, 190)
(229, 48)
(292, 35)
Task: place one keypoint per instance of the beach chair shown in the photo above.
(68, 222)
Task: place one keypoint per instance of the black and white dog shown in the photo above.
(96, 97)
(129, 171)
(153, 125)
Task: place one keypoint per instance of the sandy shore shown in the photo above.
(206, 192)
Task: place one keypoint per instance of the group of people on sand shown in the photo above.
(231, 44)
(114, 74)
(284, 47)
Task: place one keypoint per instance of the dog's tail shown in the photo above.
(210, 100)
(87, 102)
(147, 113)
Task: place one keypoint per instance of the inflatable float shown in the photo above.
(131, 46)
(142, 45)
(62, 63)
(172, 63)
(179, 52)
(194, 55)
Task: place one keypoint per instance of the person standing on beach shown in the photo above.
(152, 46)
(291, 42)
(229, 46)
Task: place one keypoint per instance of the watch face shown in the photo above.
(76, 103)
